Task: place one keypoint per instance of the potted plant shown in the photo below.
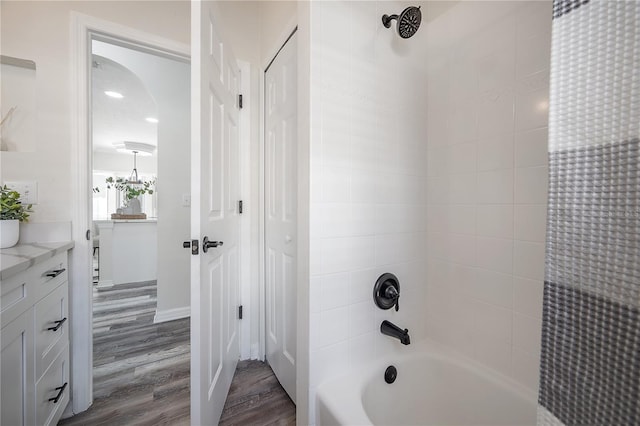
(129, 192)
(13, 212)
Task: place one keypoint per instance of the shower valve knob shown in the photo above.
(386, 292)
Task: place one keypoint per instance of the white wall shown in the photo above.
(488, 85)
(168, 81)
(368, 184)
(40, 31)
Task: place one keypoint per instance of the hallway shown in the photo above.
(141, 369)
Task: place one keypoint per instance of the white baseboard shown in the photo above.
(103, 284)
(172, 314)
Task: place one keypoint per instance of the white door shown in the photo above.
(215, 81)
(280, 214)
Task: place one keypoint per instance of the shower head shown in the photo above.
(408, 21)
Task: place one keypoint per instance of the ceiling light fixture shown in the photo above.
(112, 94)
(136, 148)
(151, 119)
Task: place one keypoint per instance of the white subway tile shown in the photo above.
(533, 54)
(346, 254)
(527, 332)
(362, 282)
(532, 102)
(531, 222)
(461, 158)
(330, 361)
(334, 326)
(495, 220)
(361, 318)
(493, 287)
(461, 218)
(437, 161)
(362, 350)
(495, 112)
(496, 355)
(462, 278)
(461, 249)
(496, 69)
(315, 257)
(495, 254)
(525, 368)
(531, 148)
(463, 121)
(315, 293)
(527, 296)
(495, 187)
(495, 152)
(364, 187)
(492, 323)
(531, 185)
(334, 285)
(528, 260)
(461, 188)
(336, 184)
(397, 248)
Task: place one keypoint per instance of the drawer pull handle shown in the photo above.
(55, 272)
(58, 324)
(59, 395)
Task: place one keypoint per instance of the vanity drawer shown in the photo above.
(52, 390)
(50, 274)
(18, 293)
(52, 327)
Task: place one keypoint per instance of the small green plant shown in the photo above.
(12, 207)
(129, 190)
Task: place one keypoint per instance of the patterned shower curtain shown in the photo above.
(590, 362)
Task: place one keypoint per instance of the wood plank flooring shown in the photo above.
(256, 398)
(141, 370)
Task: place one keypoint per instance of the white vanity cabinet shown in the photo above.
(34, 334)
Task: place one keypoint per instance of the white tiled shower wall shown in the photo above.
(488, 85)
(368, 183)
(428, 160)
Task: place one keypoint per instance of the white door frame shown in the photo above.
(284, 36)
(83, 29)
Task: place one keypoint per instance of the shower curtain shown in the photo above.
(590, 361)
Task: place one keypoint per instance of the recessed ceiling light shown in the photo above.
(151, 119)
(114, 94)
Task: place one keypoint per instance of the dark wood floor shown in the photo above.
(141, 370)
(256, 398)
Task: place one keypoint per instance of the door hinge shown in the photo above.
(240, 101)
(240, 312)
(240, 207)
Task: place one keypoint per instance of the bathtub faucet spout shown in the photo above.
(393, 330)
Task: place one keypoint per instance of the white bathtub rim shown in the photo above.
(343, 395)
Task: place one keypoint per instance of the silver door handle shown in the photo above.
(206, 244)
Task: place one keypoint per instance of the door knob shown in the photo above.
(287, 239)
(206, 244)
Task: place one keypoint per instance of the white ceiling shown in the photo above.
(117, 120)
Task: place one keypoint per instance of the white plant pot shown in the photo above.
(9, 233)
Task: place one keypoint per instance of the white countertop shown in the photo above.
(99, 221)
(18, 258)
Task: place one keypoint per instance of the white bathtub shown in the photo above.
(434, 386)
